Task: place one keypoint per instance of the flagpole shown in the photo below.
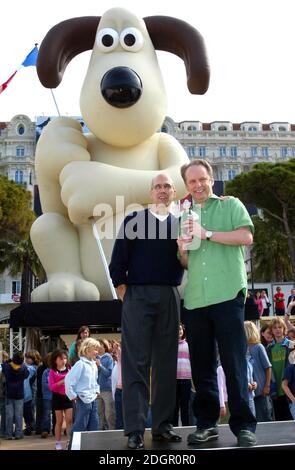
(55, 102)
(103, 259)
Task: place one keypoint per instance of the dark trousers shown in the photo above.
(183, 395)
(39, 414)
(118, 408)
(280, 311)
(150, 325)
(28, 415)
(281, 409)
(224, 323)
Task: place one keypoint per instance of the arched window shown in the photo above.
(20, 129)
(19, 176)
(164, 129)
(222, 128)
(191, 128)
(252, 128)
(20, 151)
(282, 129)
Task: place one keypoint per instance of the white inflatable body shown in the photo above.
(78, 173)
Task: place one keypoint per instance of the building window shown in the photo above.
(293, 151)
(264, 151)
(191, 151)
(253, 151)
(20, 151)
(284, 152)
(222, 128)
(19, 177)
(222, 151)
(233, 152)
(30, 179)
(16, 287)
(164, 129)
(20, 129)
(202, 151)
(231, 174)
(191, 128)
(252, 129)
(282, 129)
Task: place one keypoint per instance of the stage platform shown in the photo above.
(64, 316)
(274, 435)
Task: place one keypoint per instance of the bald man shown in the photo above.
(145, 270)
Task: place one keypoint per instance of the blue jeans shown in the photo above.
(86, 416)
(292, 409)
(263, 408)
(222, 323)
(14, 414)
(2, 417)
(46, 415)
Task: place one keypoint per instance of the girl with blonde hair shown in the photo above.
(261, 373)
(82, 387)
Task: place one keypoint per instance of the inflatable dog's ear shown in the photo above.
(61, 44)
(178, 37)
(71, 37)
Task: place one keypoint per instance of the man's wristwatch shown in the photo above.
(208, 234)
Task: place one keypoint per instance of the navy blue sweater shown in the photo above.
(15, 380)
(145, 251)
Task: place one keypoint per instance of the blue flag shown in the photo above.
(31, 58)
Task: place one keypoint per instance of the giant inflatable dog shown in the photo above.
(123, 103)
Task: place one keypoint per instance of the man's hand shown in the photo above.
(193, 228)
(121, 290)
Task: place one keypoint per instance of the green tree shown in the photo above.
(271, 187)
(16, 215)
(20, 257)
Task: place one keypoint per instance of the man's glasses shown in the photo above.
(165, 186)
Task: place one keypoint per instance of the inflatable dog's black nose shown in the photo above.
(121, 87)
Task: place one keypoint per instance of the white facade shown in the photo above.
(233, 148)
(17, 162)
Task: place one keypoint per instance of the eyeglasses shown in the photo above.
(165, 186)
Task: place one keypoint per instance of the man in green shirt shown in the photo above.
(214, 304)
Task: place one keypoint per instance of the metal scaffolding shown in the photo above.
(16, 341)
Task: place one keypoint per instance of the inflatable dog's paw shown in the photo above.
(65, 287)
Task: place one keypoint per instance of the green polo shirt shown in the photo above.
(216, 272)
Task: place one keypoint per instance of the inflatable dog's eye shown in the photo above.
(131, 39)
(107, 39)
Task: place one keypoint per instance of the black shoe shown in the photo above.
(246, 438)
(135, 440)
(202, 435)
(27, 432)
(169, 436)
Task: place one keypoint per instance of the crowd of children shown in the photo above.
(84, 388)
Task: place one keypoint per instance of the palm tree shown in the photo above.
(20, 257)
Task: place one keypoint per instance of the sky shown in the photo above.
(250, 45)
